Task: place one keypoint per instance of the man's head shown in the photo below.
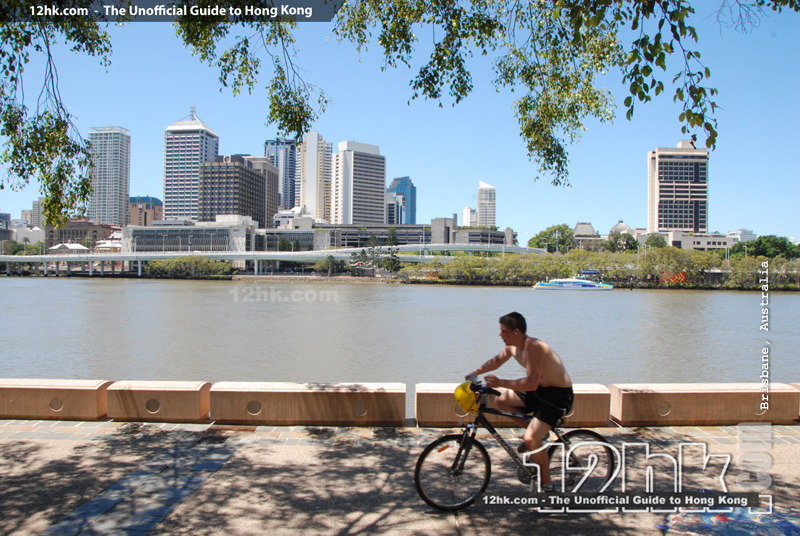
(512, 325)
(514, 321)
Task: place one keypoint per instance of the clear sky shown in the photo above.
(153, 80)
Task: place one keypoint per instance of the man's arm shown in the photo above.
(534, 359)
(493, 364)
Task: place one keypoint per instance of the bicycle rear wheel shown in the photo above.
(449, 476)
(590, 465)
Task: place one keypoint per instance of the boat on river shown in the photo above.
(573, 283)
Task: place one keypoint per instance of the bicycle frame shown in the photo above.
(471, 430)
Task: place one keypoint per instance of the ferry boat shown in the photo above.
(574, 283)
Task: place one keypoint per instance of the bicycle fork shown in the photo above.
(467, 436)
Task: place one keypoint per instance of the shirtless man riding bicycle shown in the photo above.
(545, 391)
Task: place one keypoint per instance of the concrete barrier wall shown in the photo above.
(159, 401)
(381, 404)
(435, 405)
(369, 404)
(669, 404)
(83, 400)
(797, 386)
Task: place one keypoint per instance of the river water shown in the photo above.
(263, 330)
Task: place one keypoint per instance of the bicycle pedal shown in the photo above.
(524, 476)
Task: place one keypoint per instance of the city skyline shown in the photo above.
(608, 169)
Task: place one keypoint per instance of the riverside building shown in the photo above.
(187, 144)
(226, 233)
(677, 189)
(359, 185)
(111, 175)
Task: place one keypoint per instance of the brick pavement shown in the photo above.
(140, 478)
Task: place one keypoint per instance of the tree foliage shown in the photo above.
(188, 268)
(551, 52)
(556, 238)
(770, 246)
(658, 268)
(656, 240)
(619, 242)
(40, 141)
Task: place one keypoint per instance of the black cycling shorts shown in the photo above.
(548, 404)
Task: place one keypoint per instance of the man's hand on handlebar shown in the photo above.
(492, 380)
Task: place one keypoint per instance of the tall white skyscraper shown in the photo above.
(469, 217)
(187, 144)
(677, 189)
(486, 205)
(111, 175)
(314, 176)
(359, 184)
(283, 154)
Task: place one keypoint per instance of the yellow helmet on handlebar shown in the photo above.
(467, 398)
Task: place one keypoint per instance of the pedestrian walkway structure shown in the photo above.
(96, 262)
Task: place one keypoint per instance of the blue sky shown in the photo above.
(153, 80)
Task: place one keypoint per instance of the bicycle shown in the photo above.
(453, 470)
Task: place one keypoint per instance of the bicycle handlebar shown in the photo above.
(478, 387)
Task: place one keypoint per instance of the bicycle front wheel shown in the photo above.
(449, 475)
(583, 463)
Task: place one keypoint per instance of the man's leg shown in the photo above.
(510, 401)
(534, 434)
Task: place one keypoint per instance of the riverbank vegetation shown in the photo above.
(188, 268)
(667, 267)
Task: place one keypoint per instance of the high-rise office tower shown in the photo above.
(239, 184)
(486, 205)
(359, 184)
(677, 189)
(314, 176)
(283, 154)
(404, 186)
(187, 144)
(111, 175)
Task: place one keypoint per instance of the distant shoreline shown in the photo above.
(361, 280)
(317, 279)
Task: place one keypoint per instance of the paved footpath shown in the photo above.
(70, 478)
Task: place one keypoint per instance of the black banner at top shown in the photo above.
(233, 11)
